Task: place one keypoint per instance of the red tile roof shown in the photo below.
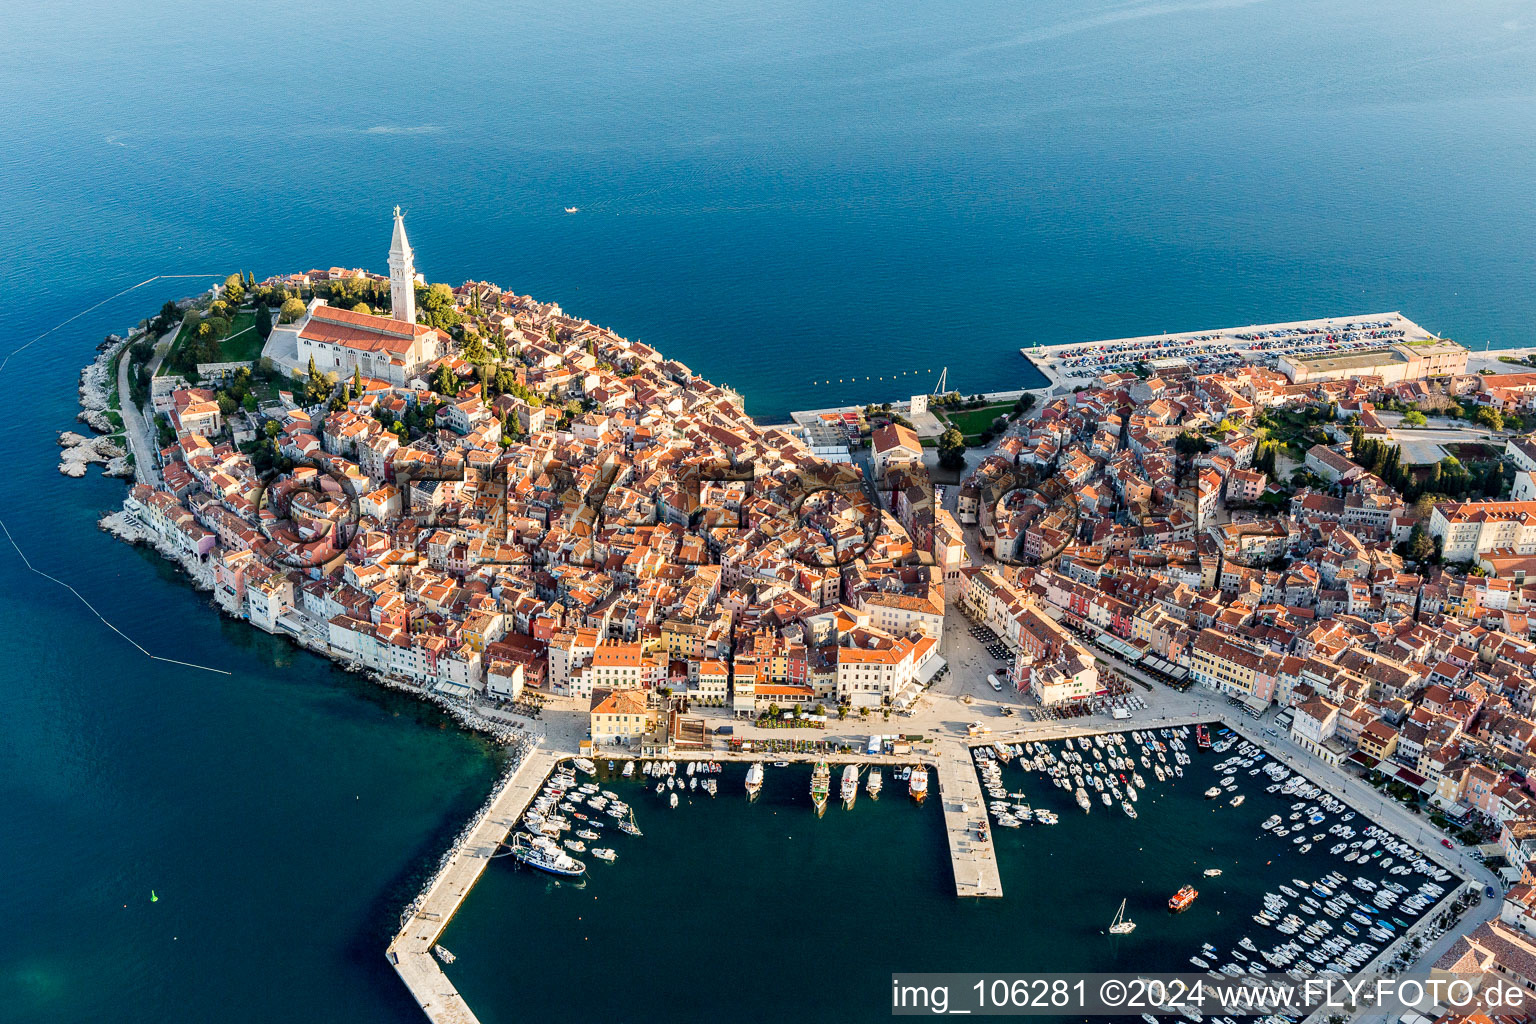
(361, 331)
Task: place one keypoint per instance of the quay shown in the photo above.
(973, 859)
(411, 950)
(1080, 362)
(827, 428)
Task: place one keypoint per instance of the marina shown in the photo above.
(1157, 877)
(1207, 351)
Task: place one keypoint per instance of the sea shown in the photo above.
(816, 203)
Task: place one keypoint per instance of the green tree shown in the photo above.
(445, 383)
(357, 380)
(364, 308)
(291, 310)
(248, 403)
(952, 449)
(435, 307)
(474, 350)
(1414, 418)
(1421, 546)
(226, 405)
(1491, 418)
(234, 289)
(263, 321)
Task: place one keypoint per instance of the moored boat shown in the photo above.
(821, 783)
(542, 853)
(1121, 925)
(1182, 899)
(850, 785)
(873, 783)
(754, 779)
(917, 785)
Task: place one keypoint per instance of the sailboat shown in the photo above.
(1121, 925)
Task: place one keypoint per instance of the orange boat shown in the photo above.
(1182, 899)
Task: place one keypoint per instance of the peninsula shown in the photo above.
(585, 548)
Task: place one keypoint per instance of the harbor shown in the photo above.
(869, 867)
(1168, 879)
(1207, 351)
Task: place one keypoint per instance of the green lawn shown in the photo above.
(232, 349)
(971, 422)
(242, 347)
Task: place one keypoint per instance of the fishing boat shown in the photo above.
(541, 852)
(821, 782)
(1121, 925)
(1213, 793)
(443, 954)
(629, 769)
(585, 765)
(672, 799)
(850, 786)
(1083, 801)
(873, 783)
(603, 853)
(710, 787)
(1202, 737)
(1182, 899)
(917, 785)
(1237, 801)
(754, 779)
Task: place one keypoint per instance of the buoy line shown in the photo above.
(3, 526)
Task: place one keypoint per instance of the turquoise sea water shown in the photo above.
(776, 194)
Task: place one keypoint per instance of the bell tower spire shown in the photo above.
(402, 274)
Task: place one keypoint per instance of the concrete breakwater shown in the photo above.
(425, 917)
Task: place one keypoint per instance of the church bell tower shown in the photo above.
(402, 274)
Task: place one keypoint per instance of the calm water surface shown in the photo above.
(762, 907)
(776, 194)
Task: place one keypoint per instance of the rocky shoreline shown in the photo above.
(96, 386)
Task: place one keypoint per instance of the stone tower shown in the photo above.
(402, 275)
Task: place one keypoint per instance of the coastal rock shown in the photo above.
(96, 420)
(81, 451)
(96, 384)
(120, 468)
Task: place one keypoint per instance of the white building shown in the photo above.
(1467, 529)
